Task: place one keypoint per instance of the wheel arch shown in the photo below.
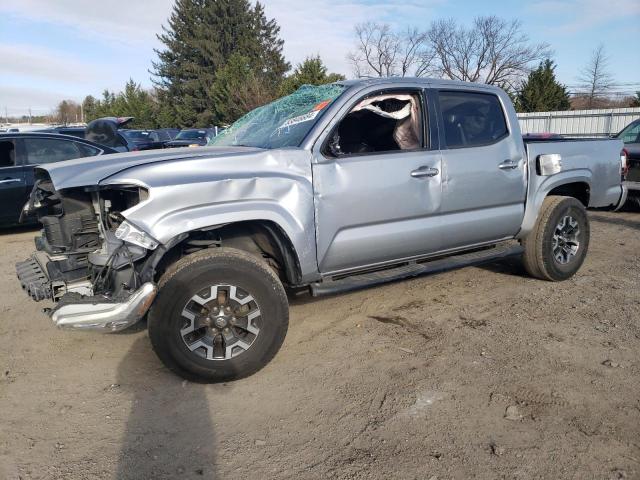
(576, 184)
(579, 190)
(263, 238)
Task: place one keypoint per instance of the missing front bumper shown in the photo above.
(103, 316)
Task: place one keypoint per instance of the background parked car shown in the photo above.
(21, 152)
(73, 131)
(107, 131)
(192, 137)
(150, 139)
(630, 135)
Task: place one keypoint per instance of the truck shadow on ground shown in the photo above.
(169, 431)
(511, 266)
(622, 221)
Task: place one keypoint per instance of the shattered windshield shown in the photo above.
(282, 123)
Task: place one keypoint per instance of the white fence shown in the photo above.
(579, 123)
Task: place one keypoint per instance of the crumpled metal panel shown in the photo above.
(247, 184)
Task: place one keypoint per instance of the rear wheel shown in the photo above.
(221, 314)
(558, 244)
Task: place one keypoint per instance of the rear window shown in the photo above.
(191, 135)
(87, 150)
(631, 134)
(136, 134)
(471, 119)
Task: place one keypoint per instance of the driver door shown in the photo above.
(376, 202)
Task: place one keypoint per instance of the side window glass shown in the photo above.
(471, 119)
(380, 123)
(7, 154)
(48, 150)
(632, 135)
(86, 150)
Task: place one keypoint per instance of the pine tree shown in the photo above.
(237, 90)
(541, 92)
(90, 106)
(138, 103)
(200, 39)
(310, 72)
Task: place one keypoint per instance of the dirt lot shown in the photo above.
(478, 373)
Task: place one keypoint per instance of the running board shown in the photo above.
(414, 269)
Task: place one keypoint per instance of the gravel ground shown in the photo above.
(477, 373)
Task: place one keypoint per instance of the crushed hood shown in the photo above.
(93, 170)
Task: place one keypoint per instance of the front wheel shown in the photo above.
(221, 314)
(558, 244)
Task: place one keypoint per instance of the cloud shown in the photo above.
(26, 60)
(18, 100)
(124, 33)
(123, 21)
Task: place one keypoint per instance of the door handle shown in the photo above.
(10, 180)
(425, 172)
(509, 164)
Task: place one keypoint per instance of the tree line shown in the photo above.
(222, 58)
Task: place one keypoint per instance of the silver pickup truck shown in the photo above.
(332, 188)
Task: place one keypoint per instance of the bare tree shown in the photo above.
(380, 52)
(492, 51)
(595, 80)
(67, 111)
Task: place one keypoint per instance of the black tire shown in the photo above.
(539, 258)
(197, 272)
(632, 204)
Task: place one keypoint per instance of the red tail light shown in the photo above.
(624, 163)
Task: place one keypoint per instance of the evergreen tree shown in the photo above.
(541, 92)
(200, 39)
(237, 90)
(310, 72)
(89, 107)
(133, 101)
(138, 103)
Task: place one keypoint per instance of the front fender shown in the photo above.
(167, 215)
(250, 185)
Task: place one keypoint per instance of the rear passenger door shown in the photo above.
(483, 169)
(13, 191)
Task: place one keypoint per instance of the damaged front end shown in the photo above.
(95, 265)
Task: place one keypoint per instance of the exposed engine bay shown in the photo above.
(78, 251)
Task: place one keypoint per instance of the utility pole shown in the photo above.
(29, 115)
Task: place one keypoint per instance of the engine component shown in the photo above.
(33, 279)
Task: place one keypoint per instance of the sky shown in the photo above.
(67, 49)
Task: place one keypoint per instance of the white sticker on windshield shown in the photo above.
(299, 119)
